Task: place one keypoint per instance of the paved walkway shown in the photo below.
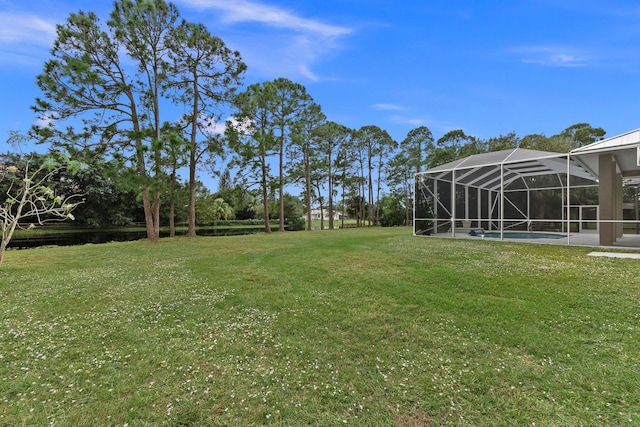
(627, 242)
(615, 254)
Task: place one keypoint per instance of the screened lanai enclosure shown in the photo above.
(530, 194)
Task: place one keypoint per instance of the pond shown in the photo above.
(522, 235)
(73, 237)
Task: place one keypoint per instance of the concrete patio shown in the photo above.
(590, 239)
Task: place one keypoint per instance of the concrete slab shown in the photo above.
(615, 254)
(629, 242)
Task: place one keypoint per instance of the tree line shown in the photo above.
(144, 94)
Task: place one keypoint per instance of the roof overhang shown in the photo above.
(624, 148)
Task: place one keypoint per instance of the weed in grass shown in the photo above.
(357, 327)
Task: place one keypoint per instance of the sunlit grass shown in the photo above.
(357, 327)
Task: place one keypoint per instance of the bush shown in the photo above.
(393, 212)
(295, 224)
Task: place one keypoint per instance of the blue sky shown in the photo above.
(487, 67)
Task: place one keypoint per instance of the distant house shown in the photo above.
(337, 216)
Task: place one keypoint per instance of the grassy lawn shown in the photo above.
(368, 327)
(348, 223)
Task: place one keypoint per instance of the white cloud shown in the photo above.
(24, 38)
(414, 121)
(249, 11)
(245, 127)
(305, 71)
(46, 120)
(220, 127)
(433, 124)
(288, 45)
(208, 124)
(551, 56)
(21, 28)
(382, 106)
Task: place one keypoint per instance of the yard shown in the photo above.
(359, 327)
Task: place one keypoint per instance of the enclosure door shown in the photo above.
(586, 216)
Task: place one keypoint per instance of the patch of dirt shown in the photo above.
(416, 419)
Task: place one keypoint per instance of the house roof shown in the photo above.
(624, 148)
(630, 139)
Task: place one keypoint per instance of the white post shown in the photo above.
(563, 212)
(529, 223)
(453, 203)
(568, 199)
(501, 201)
(415, 192)
(466, 202)
(479, 208)
(436, 204)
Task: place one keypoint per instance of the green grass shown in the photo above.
(367, 327)
(349, 223)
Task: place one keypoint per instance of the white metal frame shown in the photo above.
(511, 166)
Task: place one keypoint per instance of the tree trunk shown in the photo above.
(342, 205)
(370, 185)
(377, 221)
(362, 200)
(265, 196)
(3, 247)
(407, 208)
(330, 195)
(172, 219)
(361, 191)
(148, 214)
(191, 229)
(158, 151)
(172, 207)
(307, 176)
(281, 184)
(146, 197)
(6, 236)
(156, 214)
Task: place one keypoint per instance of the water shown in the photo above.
(522, 235)
(91, 236)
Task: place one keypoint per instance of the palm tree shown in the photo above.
(221, 209)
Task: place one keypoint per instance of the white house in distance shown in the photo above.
(500, 194)
(316, 215)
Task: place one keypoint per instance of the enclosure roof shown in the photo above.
(490, 170)
(514, 155)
